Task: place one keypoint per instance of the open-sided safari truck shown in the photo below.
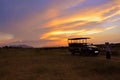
(80, 45)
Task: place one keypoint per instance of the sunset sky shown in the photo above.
(42, 23)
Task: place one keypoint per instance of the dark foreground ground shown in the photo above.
(57, 64)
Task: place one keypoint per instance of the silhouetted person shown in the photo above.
(108, 51)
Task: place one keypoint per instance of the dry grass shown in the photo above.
(55, 64)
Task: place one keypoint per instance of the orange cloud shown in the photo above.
(56, 35)
(88, 15)
(67, 25)
(82, 17)
(59, 38)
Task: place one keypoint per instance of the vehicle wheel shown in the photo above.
(96, 54)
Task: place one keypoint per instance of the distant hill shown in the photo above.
(18, 46)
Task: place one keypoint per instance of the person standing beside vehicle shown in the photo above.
(108, 51)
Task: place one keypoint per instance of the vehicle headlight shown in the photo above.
(96, 51)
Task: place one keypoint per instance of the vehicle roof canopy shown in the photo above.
(79, 38)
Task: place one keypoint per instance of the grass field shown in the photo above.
(56, 64)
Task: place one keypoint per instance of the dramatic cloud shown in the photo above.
(48, 22)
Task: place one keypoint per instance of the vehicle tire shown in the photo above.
(96, 54)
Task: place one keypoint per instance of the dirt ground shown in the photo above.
(56, 64)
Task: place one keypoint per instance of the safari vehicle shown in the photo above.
(80, 45)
